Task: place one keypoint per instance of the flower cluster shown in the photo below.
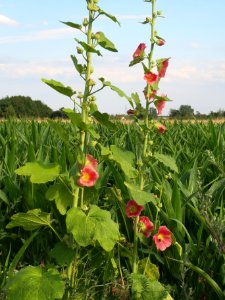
(162, 239)
(152, 78)
(89, 173)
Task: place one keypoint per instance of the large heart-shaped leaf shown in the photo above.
(95, 225)
(31, 220)
(62, 196)
(39, 172)
(141, 197)
(125, 159)
(33, 283)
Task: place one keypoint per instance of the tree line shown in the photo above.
(25, 107)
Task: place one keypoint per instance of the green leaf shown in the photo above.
(141, 197)
(39, 172)
(62, 253)
(31, 220)
(96, 225)
(59, 87)
(136, 61)
(3, 197)
(144, 289)
(167, 160)
(113, 18)
(73, 25)
(103, 118)
(36, 284)
(150, 270)
(79, 67)
(116, 89)
(75, 118)
(20, 253)
(136, 99)
(125, 159)
(88, 48)
(62, 196)
(105, 43)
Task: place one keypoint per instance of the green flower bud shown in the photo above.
(79, 50)
(85, 22)
(92, 82)
(80, 95)
(151, 142)
(159, 12)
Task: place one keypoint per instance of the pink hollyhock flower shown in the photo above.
(163, 238)
(145, 226)
(139, 51)
(160, 104)
(88, 177)
(91, 161)
(151, 77)
(133, 209)
(162, 67)
(161, 128)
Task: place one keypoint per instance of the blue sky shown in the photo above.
(34, 44)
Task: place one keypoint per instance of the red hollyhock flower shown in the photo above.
(88, 177)
(131, 112)
(145, 226)
(160, 104)
(162, 67)
(151, 77)
(161, 128)
(139, 51)
(91, 161)
(133, 209)
(163, 238)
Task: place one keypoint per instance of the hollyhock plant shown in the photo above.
(151, 77)
(139, 51)
(88, 177)
(163, 239)
(145, 226)
(160, 104)
(133, 209)
(162, 65)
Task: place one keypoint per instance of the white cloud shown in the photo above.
(7, 21)
(56, 33)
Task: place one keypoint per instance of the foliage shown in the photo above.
(21, 106)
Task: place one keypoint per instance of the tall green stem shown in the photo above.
(135, 252)
(148, 91)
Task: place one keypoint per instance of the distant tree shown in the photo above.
(23, 107)
(174, 113)
(186, 111)
(10, 112)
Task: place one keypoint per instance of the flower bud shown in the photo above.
(92, 82)
(160, 42)
(79, 50)
(159, 12)
(85, 22)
